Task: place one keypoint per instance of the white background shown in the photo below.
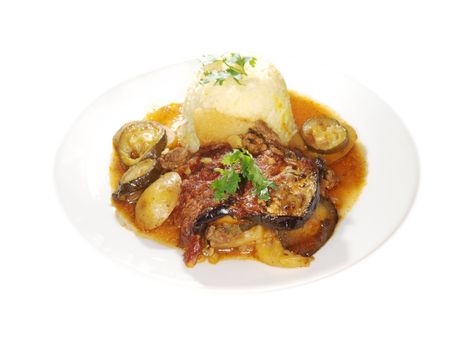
(58, 292)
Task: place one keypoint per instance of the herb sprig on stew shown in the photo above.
(240, 165)
(231, 66)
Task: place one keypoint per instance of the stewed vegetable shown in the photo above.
(137, 178)
(316, 231)
(324, 135)
(157, 201)
(140, 140)
(269, 250)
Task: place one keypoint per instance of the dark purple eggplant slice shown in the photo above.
(324, 135)
(297, 198)
(130, 198)
(286, 222)
(292, 200)
(308, 239)
(140, 140)
(137, 178)
(210, 215)
(309, 189)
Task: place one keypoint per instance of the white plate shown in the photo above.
(83, 181)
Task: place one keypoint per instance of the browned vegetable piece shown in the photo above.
(174, 158)
(137, 178)
(324, 135)
(311, 237)
(130, 198)
(139, 140)
(157, 201)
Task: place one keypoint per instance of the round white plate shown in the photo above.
(82, 179)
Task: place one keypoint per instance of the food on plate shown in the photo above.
(140, 140)
(179, 128)
(243, 168)
(324, 135)
(158, 201)
(307, 239)
(230, 93)
(137, 178)
(276, 188)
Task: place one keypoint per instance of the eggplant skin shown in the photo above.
(130, 198)
(139, 140)
(310, 142)
(156, 151)
(210, 215)
(286, 222)
(276, 222)
(292, 201)
(138, 184)
(308, 239)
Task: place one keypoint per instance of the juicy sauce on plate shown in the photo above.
(350, 171)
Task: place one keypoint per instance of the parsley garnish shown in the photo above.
(229, 182)
(231, 66)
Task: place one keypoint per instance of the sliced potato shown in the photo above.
(157, 201)
(269, 250)
(247, 238)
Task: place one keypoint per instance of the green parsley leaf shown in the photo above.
(228, 183)
(216, 77)
(231, 66)
(233, 157)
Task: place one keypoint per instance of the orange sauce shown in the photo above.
(350, 170)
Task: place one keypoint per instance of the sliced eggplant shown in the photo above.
(295, 199)
(292, 201)
(137, 178)
(286, 222)
(140, 140)
(210, 215)
(130, 197)
(290, 207)
(324, 135)
(269, 250)
(315, 233)
(116, 138)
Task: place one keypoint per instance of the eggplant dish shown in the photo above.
(243, 168)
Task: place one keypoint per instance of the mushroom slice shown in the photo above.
(324, 135)
(139, 140)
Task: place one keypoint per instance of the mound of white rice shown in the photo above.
(219, 111)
